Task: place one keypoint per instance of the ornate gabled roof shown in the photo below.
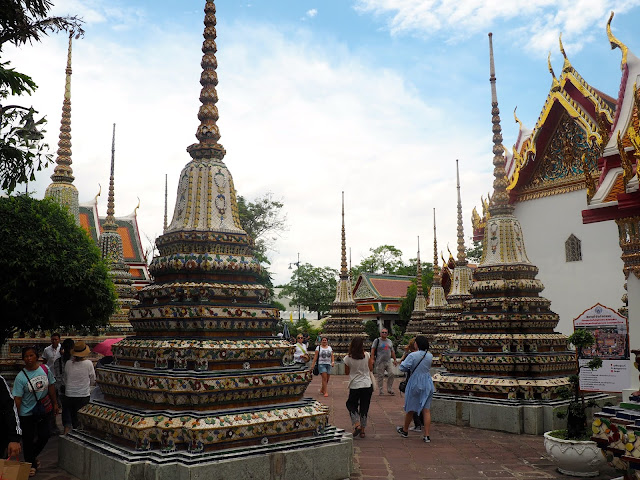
(381, 286)
(575, 120)
(615, 192)
(62, 190)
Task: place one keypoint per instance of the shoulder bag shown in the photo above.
(403, 384)
(43, 405)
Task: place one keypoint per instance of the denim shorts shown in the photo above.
(324, 368)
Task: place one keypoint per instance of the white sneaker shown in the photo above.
(426, 439)
(415, 429)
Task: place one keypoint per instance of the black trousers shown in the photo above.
(358, 404)
(35, 435)
(74, 404)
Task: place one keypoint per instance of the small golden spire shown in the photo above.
(617, 43)
(208, 132)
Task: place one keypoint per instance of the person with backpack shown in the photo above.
(382, 352)
(34, 393)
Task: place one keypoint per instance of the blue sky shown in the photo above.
(374, 97)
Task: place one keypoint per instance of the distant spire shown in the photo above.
(208, 132)
(164, 228)
(110, 221)
(437, 279)
(344, 273)
(419, 271)
(462, 254)
(62, 189)
(500, 199)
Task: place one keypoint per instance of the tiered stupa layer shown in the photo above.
(344, 322)
(507, 347)
(414, 327)
(203, 371)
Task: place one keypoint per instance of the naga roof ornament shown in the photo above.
(615, 43)
(62, 189)
(505, 347)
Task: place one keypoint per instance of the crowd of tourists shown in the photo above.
(57, 381)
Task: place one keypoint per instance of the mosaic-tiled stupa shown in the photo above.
(414, 327)
(506, 347)
(344, 322)
(110, 244)
(62, 189)
(203, 371)
(438, 310)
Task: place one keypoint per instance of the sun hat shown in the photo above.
(80, 349)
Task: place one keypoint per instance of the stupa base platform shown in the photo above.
(532, 417)
(327, 456)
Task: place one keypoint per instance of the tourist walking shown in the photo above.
(35, 397)
(79, 377)
(58, 372)
(382, 352)
(52, 352)
(324, 359)
(10, 432)
(418, 420)
(300, 355)
(419, 391)
(358, 365)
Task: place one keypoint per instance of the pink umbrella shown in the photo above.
(104, 348)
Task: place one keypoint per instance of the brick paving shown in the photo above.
(454, 452)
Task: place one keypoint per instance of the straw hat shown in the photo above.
(80, 349)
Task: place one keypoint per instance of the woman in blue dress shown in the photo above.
(419, 390)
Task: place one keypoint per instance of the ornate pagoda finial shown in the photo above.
(110, 221)
(437, 278)
(164, 228)
(462, 254)
(62, 189)
(208, 132)
(617, 43)
(344, 273)
(419, 271)
(500, 199)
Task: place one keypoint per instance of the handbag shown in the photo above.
(43, 406)
(14, 469)
(403, 384)
(316, 369)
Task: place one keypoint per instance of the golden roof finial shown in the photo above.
(550, 67)
(566, 67)
(95, 199)
(515, 117)
(135, 210)
(617, 43)
(208, 132)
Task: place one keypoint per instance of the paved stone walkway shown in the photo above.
(454, 452)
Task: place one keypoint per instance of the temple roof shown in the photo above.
(381, 286)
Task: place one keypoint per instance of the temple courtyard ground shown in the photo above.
(454, 452)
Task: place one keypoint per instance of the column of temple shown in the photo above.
(203, 371)
(506, 347)
(343, 323)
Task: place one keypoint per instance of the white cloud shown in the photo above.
(535, 23)
(312, 13)
(302, 119)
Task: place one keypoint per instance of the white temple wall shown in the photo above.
(572, 287)
(633, 294)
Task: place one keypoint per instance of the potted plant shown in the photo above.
(572, 448)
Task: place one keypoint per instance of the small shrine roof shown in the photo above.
(381, 286)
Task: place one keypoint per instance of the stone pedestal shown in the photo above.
(328, 456)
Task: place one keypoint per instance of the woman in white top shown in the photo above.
(358, 364)
(324, 358)
(301, 355)
(79, 377)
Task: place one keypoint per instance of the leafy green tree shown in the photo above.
(371, 328)
(52, 274)
(264, 221)
(474, 253)
(312, 287)
(21, 152)
(385, 259)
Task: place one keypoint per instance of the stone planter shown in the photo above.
(578, 458)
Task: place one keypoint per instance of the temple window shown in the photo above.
(573, 249)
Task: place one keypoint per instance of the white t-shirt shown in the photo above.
(358, 371)
(301, 349)
(78, 378)
(324, 355)
(50, 355)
